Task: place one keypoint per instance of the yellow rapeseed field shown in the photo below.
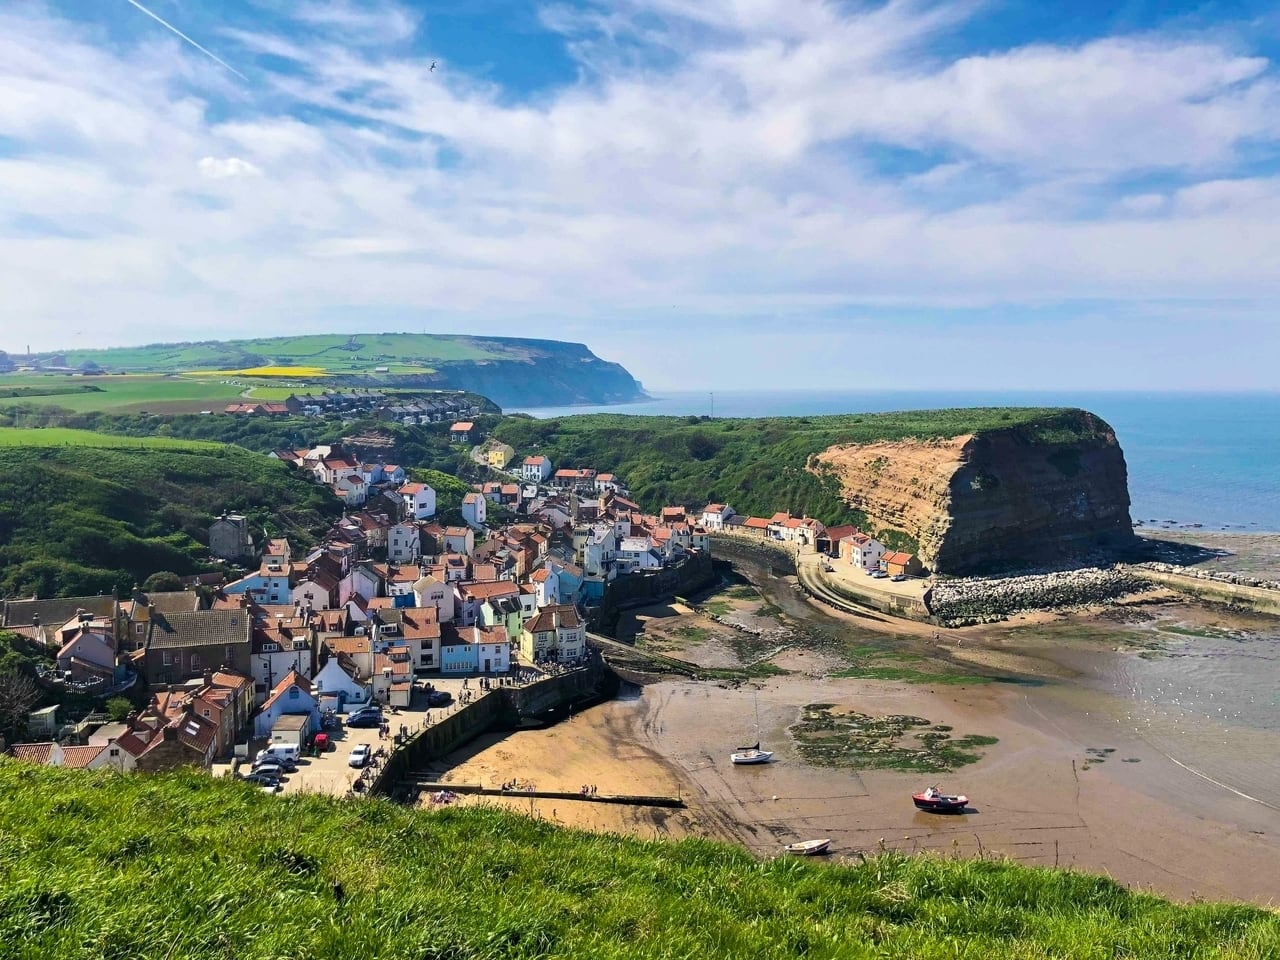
(266, 372)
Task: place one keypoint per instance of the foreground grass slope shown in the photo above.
(757, 465)
(185, 866)
(82, 513)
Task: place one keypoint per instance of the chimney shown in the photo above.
(208, 678)
(131, 721)
(170, 732)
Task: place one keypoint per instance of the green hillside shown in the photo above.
(84, 513)
(185, 866)
(756, 465)
(508, 370)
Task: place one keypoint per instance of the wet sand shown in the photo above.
(1037, 796)
(1071, 781)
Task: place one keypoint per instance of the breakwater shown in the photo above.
(1234, 589)
(988, 599)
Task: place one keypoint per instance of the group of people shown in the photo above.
(588, 790)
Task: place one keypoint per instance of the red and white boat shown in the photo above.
(936, 802)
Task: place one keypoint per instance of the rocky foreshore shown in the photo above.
(1217, 576)
(989, 599)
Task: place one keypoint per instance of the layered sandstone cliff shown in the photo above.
(994, 500)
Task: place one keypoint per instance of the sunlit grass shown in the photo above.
(98, 865)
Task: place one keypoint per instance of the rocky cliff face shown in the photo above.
(995, 500)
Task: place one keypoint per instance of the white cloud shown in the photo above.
(744, 177)
(224, 168)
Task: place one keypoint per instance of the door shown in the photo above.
(487, 668)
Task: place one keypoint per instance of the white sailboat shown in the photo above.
(744, 756)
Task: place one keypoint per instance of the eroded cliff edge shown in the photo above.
(1027, 495)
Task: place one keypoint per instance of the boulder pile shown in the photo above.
(975, 600)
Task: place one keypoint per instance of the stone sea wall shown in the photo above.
(1234, 589)
(989, 599)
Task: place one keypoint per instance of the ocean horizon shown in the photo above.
(1211, 459)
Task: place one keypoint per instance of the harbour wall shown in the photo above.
(1258, 599)
(695, 572)
(500, 708)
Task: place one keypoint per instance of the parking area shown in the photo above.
(331, 772)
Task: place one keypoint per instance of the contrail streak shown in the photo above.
(172, 29)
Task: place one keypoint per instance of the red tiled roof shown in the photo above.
(756, 523)
(411, 489)
(462, 426)
(898, 557)
(489, 589)
(77, 758)
(32, 752)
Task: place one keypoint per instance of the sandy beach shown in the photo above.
(1037, 797)
(1073, 779)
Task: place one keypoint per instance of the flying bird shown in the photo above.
(433, 66)
(172, 29)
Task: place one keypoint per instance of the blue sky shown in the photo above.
(716, 193)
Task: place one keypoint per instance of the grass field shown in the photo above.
(59, 437)
(126, 394)
(186, 866)
(331, 353)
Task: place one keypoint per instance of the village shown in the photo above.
(390, 622)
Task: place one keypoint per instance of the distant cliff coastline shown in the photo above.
(510, 371)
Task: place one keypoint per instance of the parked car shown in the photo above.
(359, 756)
(364, 711)
(898, 577)
(439, 698)
(365, 720)
(271, 760)
(880, 575)
(263, 779)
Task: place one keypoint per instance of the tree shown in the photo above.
(162, 582)
(18, 694)
(119, 707)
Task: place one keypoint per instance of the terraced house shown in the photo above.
(181, 646)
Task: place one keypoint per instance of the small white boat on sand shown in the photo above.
(749, 755)
(809, 848)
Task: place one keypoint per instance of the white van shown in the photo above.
(280, 751)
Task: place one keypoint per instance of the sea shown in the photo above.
(1211, 459)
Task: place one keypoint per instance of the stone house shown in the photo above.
(180, 646)
(230, 538)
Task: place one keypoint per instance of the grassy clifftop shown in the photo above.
(82, 513)
(185, 866)
(509, 370)
(759, 465)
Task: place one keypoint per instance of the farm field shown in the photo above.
(61, 437)
(322, 353)
(139, 393)
(121, 394)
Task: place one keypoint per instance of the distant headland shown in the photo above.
(510, 371)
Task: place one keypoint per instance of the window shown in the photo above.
(293, 693)
(195, 661)
(140, 629)
(166, 658)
